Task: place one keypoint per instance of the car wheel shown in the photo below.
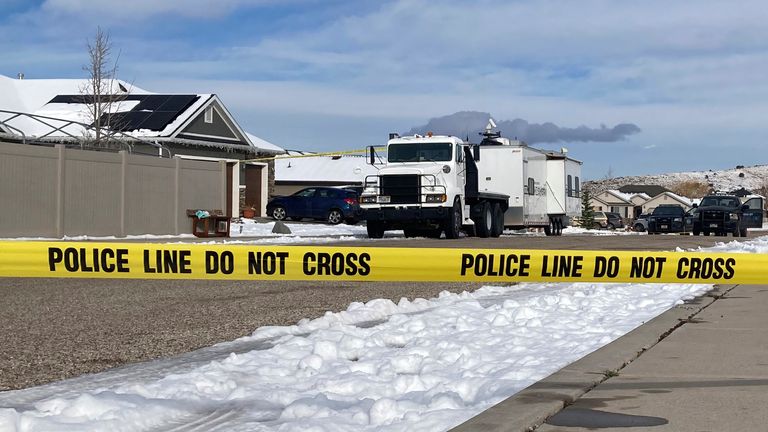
(335, 217)
(639, 227)
(375, 229)
(611, 227)
(596, 225)
(278, 213)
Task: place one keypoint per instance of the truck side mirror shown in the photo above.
(371, 155)
(476, 153)
(744, 207)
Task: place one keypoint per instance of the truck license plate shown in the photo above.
(713, 225)
(664, 226)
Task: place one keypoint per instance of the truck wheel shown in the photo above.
(497, 220)
(549, 229)
(559, 226)
(375, 229)
(743, 232)
(696, 232)
(453, 222)
(484, 220)
(706, 233)
(640, 228)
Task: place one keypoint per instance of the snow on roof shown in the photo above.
(265, 145)
(345, 169)
(642, 195)
(627, 198)
(34, 96)
(680, 198)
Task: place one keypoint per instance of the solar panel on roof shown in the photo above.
(157, 121)
(178, 103)
(87, 98)
(151, 103)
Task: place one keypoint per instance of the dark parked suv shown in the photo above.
(723, 214)
(669, 218)
(333, 205)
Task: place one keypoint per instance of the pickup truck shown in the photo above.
(669, 218)
(723, 214)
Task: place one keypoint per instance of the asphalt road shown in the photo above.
(51, 329)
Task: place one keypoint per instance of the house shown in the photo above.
(614, 201)
(667, 198)
(298, 170)
(188, 126)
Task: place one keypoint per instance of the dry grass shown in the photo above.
(692, 189)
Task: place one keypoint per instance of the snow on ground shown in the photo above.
(253, 231)
(422, 365)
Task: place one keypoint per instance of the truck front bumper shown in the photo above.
(406, 214)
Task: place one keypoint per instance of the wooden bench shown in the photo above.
(216, 224)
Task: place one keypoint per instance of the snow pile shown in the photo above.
(414, 365)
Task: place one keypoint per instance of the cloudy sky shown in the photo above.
(684, 82)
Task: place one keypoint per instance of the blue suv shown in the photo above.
(334, 205)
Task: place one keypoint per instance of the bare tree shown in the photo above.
(98, 92)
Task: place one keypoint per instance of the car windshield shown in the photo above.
(668, 211)
(419, 152)
(720, 201)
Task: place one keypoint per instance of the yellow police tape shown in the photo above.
(254, 262)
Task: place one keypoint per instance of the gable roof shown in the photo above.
(623, 199)
(681, 199)
(135, 112)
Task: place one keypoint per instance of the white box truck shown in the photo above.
(434, 184)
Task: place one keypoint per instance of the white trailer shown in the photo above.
(434, 184)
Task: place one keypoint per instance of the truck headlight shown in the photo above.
(371, 199)
(734, 216)
(384, 199)
(434, 198)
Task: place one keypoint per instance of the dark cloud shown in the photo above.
(470, 123)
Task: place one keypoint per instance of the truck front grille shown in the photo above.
(402, 188)
(713, 215)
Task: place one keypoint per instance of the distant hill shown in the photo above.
(753, 178)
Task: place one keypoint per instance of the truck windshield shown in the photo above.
(720, 201)
(668, 211)
(419, 152)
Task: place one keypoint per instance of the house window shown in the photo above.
(531, 186)
(209, 115)
(569, 187)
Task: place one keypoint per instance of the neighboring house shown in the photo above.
(615, 202)
(667, 198)
(298, 170)
(190, 126)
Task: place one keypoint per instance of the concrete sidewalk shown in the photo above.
(698, 367)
